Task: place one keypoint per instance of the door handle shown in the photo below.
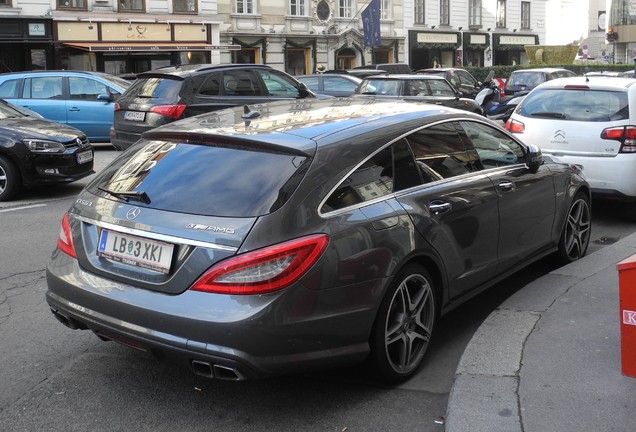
(507, 186)
(438, 207)
(74, 109)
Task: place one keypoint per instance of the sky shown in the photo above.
(566, 21)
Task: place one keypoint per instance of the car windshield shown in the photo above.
(527, 79)
(576, 104)
(164, 89)
(120, 82)
(228, 180)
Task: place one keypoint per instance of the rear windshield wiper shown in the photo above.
(128, 196)
(556, 115)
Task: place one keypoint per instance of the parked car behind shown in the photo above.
(171, 93)
(527, 79)
(84, 100)
(35, 151)
(417, 88)
(339, 85)
(392, 68)
(588, 121)
(303, 235)
(461, 79)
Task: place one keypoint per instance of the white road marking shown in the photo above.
(22, 208)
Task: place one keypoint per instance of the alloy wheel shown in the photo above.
(577, 229)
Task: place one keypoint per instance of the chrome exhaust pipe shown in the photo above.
(209, 370)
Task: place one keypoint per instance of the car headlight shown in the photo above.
(44, 146)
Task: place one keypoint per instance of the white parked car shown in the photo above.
(588, 121)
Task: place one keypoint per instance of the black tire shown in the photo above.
(10, 181)
(404, 325)
(575, 237)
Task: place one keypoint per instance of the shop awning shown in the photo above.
(149, 46)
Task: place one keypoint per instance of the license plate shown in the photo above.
(135, 115)
(135, 251)
(83, 157)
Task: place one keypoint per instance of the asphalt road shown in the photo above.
(56, 379)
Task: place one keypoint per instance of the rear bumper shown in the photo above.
(122, 140)
(216, 336)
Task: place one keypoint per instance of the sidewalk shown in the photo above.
(549, 358)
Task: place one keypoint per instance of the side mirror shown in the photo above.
(105, 97)
(535, 158)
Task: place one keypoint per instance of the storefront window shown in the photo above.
(297, 61)
(382, 55)
(246, 55)
(132, 5)
(72, 4)
(185, 6)
(5, 2)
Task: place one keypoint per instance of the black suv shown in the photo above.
(167, 94)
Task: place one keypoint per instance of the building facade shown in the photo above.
(298, 36)
(621, 30)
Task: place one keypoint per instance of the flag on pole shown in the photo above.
(371, 24)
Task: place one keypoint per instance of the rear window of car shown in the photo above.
(576, 105)
(526, 79)
(209, 180)
(159, 89)
(380, 87)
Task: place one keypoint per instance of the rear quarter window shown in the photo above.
(576, 105)
(207, 180)
(9, 89)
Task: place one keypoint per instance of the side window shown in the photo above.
(339, 84)
(441, 88)
(9, 89)
(372, 179)
(85, 88)
(440, 153)
(279, 85)
(494, 148)
(416, 88)
(312, 83)
(240, 83)
(465, 78)
(212, 85)
(43, 88)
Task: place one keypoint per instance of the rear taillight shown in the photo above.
(117, 106)
(265, 270)
(65, 238)
(515, 126)
(172, 111)
(626, 135)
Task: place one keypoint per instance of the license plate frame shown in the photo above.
(135, 251)
(136, 116)
(84, 157)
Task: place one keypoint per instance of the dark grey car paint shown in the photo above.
(328, 315)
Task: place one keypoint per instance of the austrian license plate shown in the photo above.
(85, 156)
(135, 251)
(135, 115)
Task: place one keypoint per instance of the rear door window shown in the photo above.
(43, 88)
(212, 85)
(240, 83)
(9, 89)
(228, 180)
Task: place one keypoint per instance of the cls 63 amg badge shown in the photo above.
(210, 228)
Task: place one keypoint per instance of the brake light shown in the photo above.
(117, 106)
(65, 238)
(172, 111)
(626, 135)
(576, 87)
(265, 270)
(515, 126)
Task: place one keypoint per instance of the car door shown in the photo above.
(44, 94)
(278, 85)
(527, 199)
(89, 107)
(456, 210)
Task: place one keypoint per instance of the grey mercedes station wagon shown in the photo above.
(274, 238)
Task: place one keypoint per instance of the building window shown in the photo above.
(501, 13)
(132, 5)
(474, 13)
(382, 55)
(525, 14)
(298, 7)
(345, 8)
(444, 12)
(385, 9)
(5, 2)
(72, 4)
(419, 12)
(185, 6)
(245, 6)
